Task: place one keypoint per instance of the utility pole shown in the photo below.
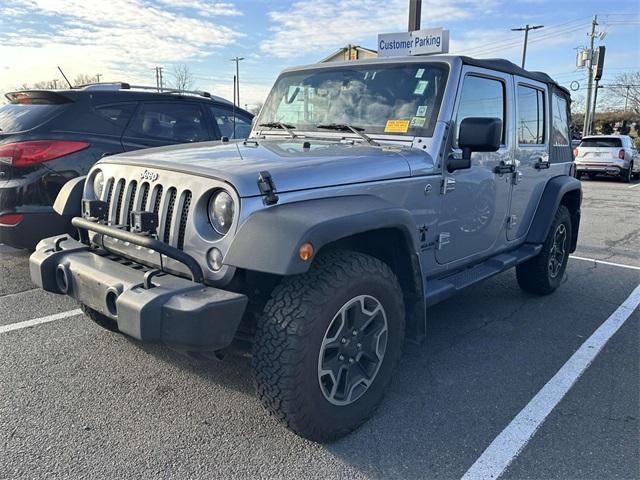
(161, 82)
(98, 75)
(157, 80)
(626, 100)
(526, 29)
(595, 101)
(237, 79)
(415, 12)
(586, 130)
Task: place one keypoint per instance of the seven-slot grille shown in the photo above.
(123, 196)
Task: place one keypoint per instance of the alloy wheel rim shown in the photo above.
(352, 350)
(557, 252)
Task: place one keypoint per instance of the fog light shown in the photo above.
(305, 252)
(214, 259)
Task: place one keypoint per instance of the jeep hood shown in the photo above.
(291, 165)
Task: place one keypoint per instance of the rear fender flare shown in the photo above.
(551, 199)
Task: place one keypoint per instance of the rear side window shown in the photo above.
(118, 115)
(173, 122)
(560, 123)
(482, 97)
(20, 117)
(224, 120)
(601, 142)
(530, 115)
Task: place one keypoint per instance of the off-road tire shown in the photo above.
(290, 333)
(627, 175)
(534, 274)
(102, 320)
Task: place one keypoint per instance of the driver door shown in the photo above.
(476, 200)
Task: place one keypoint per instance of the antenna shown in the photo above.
(65, 77)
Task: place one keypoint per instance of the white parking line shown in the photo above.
(510, 442)
(622, 265)
(38, 321)
(633, 186)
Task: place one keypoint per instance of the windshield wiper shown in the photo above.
(280, 125)
(343, 127)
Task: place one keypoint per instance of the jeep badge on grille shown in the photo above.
(149, 176)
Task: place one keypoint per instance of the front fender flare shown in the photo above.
(269, 240)
(69, 199)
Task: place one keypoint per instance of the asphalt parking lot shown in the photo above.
(80, 402)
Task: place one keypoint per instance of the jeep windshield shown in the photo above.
(397, 99)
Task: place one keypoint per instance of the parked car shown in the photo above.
(613, 155)
(367, 192)
(49, 137)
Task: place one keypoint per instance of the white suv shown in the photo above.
(607, 154)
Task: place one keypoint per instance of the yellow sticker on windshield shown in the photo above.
(396, 126)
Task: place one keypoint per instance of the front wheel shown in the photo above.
(543, 273)
(327, 344)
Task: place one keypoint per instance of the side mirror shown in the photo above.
(476, 134)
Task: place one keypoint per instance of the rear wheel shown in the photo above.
(100, 319)
(327, 344)
(543, 273)
(627, 175)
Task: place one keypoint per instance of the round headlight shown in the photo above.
(221, 211)
(98, 184)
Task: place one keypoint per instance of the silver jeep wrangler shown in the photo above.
(367, 192)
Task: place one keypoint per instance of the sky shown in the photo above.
(123, 40)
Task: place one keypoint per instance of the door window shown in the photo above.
(530, 115)
(482, 97)
(173, 122)
(560, 124)
(224, 120)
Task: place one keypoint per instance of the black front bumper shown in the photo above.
(180, 313)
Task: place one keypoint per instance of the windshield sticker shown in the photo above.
(396, 126)
(421, 87)
(417, 122)
(419, 73)
(422, 111)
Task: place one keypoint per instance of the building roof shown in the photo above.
(344, 49)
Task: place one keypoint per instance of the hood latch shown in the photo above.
(267, 188)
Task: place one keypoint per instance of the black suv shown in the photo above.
(49, 137)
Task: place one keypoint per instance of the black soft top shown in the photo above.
(506, 66)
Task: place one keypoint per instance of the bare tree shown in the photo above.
(84, 79)
(56, 83)
(624, 92)
(182, 77)
(256, 109)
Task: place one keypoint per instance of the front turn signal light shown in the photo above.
(305, 252)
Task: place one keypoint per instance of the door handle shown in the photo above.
(541, 164)
(504, 168)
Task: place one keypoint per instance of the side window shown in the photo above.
(173, 122)
(482, 97)
(118, 114)
(530, 115)
(224, 120)
(560, 123)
